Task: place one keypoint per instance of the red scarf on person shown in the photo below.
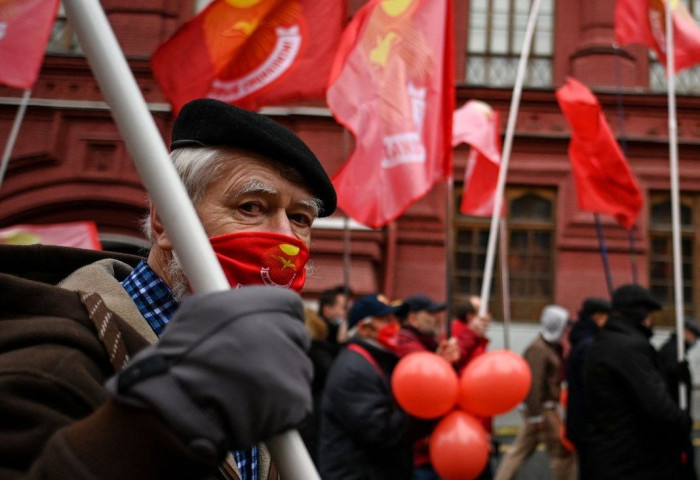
(262, 258)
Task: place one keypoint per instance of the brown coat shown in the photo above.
(56, 420)
(546, 366)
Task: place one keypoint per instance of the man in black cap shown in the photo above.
(678, 372)
(636, 430)
(84, 395)
(421, 331)
(591, 318)
(363, 431)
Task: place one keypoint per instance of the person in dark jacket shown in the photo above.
(591, 318)
(328, 330)
(636, 430)
(674, 373)
(363, 430)
(421, 331)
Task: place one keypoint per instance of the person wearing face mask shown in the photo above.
(363, 430)
(635, 428)
(110, 368)
(422, 330)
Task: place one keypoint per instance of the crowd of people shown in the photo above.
(111, 368)
(609, 392)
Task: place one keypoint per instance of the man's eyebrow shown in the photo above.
(315, 204)
(256, 186)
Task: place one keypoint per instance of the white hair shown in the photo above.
(198, 167)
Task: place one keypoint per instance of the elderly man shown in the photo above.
(363, 431)
(229, 370)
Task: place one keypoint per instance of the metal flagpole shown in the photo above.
(505, 283)
(505, 157)
(14, 132)
(675, 197)
(164, 186)
(603, 253)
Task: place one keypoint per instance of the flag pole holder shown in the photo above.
(164, 186)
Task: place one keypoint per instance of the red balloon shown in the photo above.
(425, 385)
(459, 447)
(494, 383)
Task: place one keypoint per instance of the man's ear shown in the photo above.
(160, 237)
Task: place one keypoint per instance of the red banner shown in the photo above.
(477, 125)
(25, 27)
(251, 53)
(604, 181)
(74, 234)
(644, 22)
(392, 87)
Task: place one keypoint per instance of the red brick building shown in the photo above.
(70, 162)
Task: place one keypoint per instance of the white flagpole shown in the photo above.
(505, 282)
(14, 132)
(505, 157)
(164, 186)
(675, 200)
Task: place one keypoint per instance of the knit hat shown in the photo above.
(633, 302)
(553, 322)
(593, 305)
(690, 324)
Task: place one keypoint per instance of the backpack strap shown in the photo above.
(363, 352)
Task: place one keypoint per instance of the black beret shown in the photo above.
(211, 123)
(633, 298)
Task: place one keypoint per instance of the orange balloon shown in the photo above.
(459, 447)
(425, 385)
(494, 383)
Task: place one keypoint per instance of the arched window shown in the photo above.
(530, 230)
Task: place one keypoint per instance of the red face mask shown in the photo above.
(262, 258)
(388, 336)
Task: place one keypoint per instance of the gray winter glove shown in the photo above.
(229, 370)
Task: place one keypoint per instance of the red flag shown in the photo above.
(644, 22)
(251, 53)
(477, 124)
(74, 234)
(604, 181)
(25, 26)
(392, 87)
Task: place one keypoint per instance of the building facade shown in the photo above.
(70, 163)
